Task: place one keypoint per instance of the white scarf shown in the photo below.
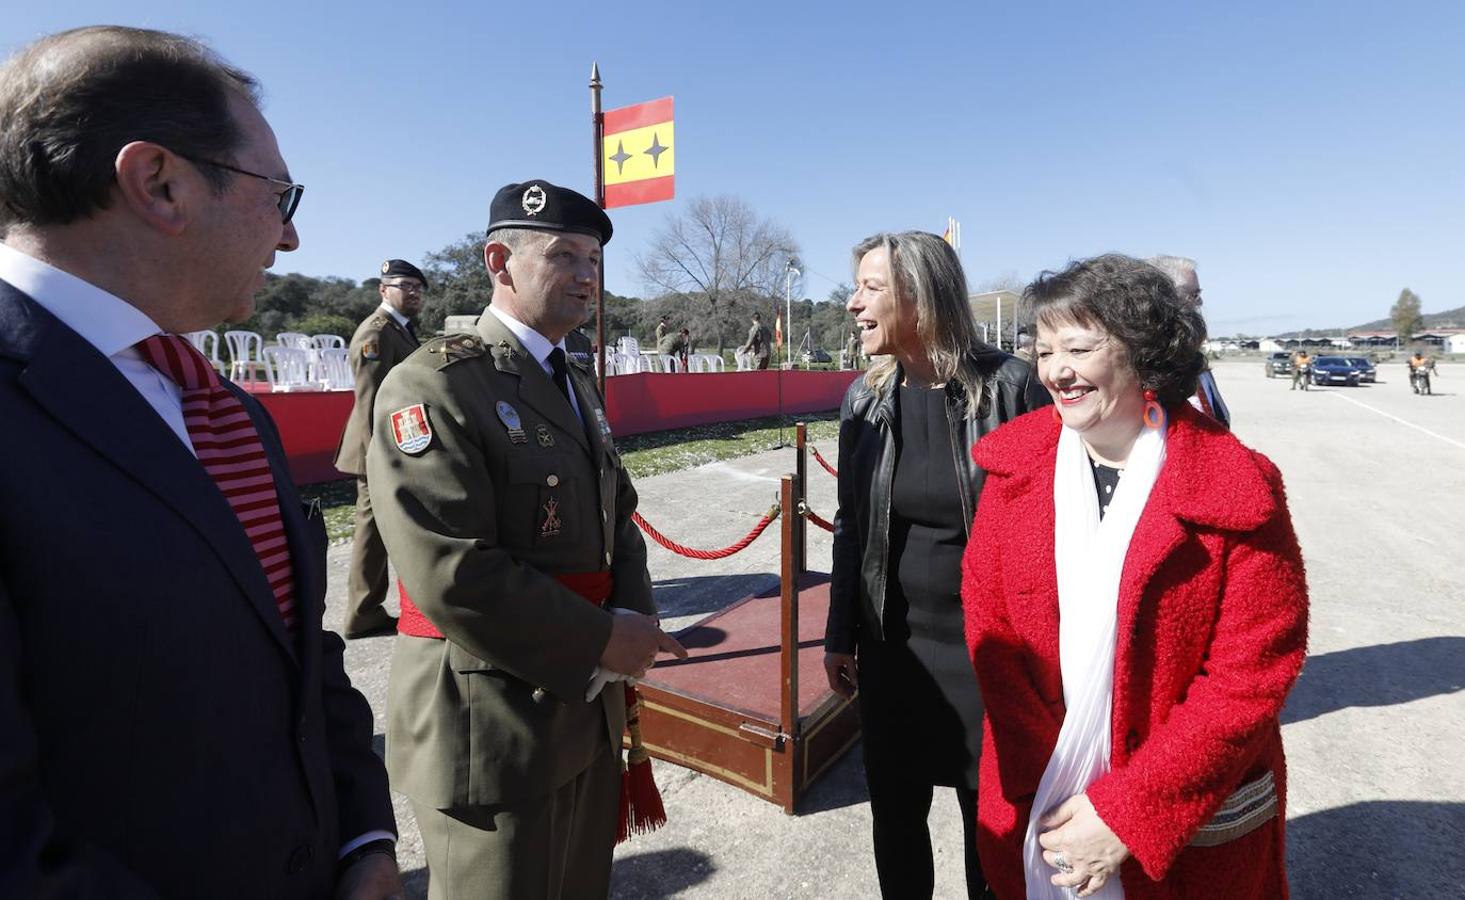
(1089, 556)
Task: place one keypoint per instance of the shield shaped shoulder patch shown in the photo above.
(410, 429)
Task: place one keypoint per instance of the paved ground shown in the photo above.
(1375, 477)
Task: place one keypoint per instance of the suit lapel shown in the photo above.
(83, 391)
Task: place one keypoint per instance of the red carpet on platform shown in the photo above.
(310, 422)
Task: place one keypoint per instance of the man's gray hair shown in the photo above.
(519, 239)
(1176, 268)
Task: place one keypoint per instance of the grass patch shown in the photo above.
(644, 455)
(659, 452)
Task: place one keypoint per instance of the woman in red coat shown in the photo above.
(1136, 610)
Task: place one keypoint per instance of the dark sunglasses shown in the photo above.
(287, 200)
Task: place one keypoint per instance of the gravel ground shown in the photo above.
(1375, 477)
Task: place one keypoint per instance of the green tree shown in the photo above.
(1405, 316)
(459, 282)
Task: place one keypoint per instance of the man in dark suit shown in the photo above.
(173, 719)
(385, 338)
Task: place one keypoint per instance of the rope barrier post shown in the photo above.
(788, 705)
(801, 487)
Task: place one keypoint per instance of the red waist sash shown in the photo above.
(593, 586)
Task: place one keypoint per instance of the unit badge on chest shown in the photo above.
(551, 524)
(510, 417)
(410, 429)
(545, 438)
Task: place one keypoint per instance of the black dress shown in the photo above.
(921, 707)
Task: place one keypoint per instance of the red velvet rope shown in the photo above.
(692, 553)
(814, 517)
(823, 462)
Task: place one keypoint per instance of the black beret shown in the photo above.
(543, 206)
(403, 269)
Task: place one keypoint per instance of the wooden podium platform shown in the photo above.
(721, 710)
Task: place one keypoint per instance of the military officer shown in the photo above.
(677, 345)
(663, 327)
(385, 338)
(507, 512)
(759, 344)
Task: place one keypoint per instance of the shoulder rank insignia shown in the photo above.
(369, 350)
(411, 430)
(461, 346)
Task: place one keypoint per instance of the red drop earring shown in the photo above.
(1154, 416)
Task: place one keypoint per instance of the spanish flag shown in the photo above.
(638, 154)
(778, 330)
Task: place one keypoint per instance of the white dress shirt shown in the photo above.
(107, 322)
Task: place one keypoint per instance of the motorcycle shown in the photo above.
(1304, 371)
(1419, 379)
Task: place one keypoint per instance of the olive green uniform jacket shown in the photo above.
(377, 346)
(478, 523)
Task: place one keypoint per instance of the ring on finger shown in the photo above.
(1061, 864)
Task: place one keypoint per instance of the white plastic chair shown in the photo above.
(287, 368)
(327, 341)
(629, 346)
(244, 359)
(744, 361)
(666, 363)
(335, 369)
(207, 343)
(293, 339)
(711, 362)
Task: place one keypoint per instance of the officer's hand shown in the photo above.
(839, 668)
(635, 639)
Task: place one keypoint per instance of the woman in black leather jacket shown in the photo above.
(907, 493)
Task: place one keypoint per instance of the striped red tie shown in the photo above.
(228, 446)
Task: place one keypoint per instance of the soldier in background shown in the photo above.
(678, 346)
(759, 345)
(662, 327)
(385, 338)
(507, 513)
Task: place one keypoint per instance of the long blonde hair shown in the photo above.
(926, 274)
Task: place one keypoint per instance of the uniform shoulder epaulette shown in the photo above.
(455, 347)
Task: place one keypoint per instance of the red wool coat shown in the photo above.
(1212, 632)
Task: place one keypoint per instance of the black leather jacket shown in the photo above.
(867, 466)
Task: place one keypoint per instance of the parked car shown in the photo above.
(1334, 370)
(1279, 363)
(815, 356)
(1366, 370)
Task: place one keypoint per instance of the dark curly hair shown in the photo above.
(1138, 306)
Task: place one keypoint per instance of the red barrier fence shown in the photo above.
(310, 422)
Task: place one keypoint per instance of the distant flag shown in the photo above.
(778, 330)
(952, 235)
(638, 154)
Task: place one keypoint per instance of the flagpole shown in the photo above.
(597, 129)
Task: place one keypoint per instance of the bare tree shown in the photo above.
(719, 251)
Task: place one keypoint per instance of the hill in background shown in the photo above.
(1450, 318)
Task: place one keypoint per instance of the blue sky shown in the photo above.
(1310, 156)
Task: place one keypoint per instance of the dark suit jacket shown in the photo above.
(161, 733)
(387, 344)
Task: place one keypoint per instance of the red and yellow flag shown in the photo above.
(638, 154)
(778, 330)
